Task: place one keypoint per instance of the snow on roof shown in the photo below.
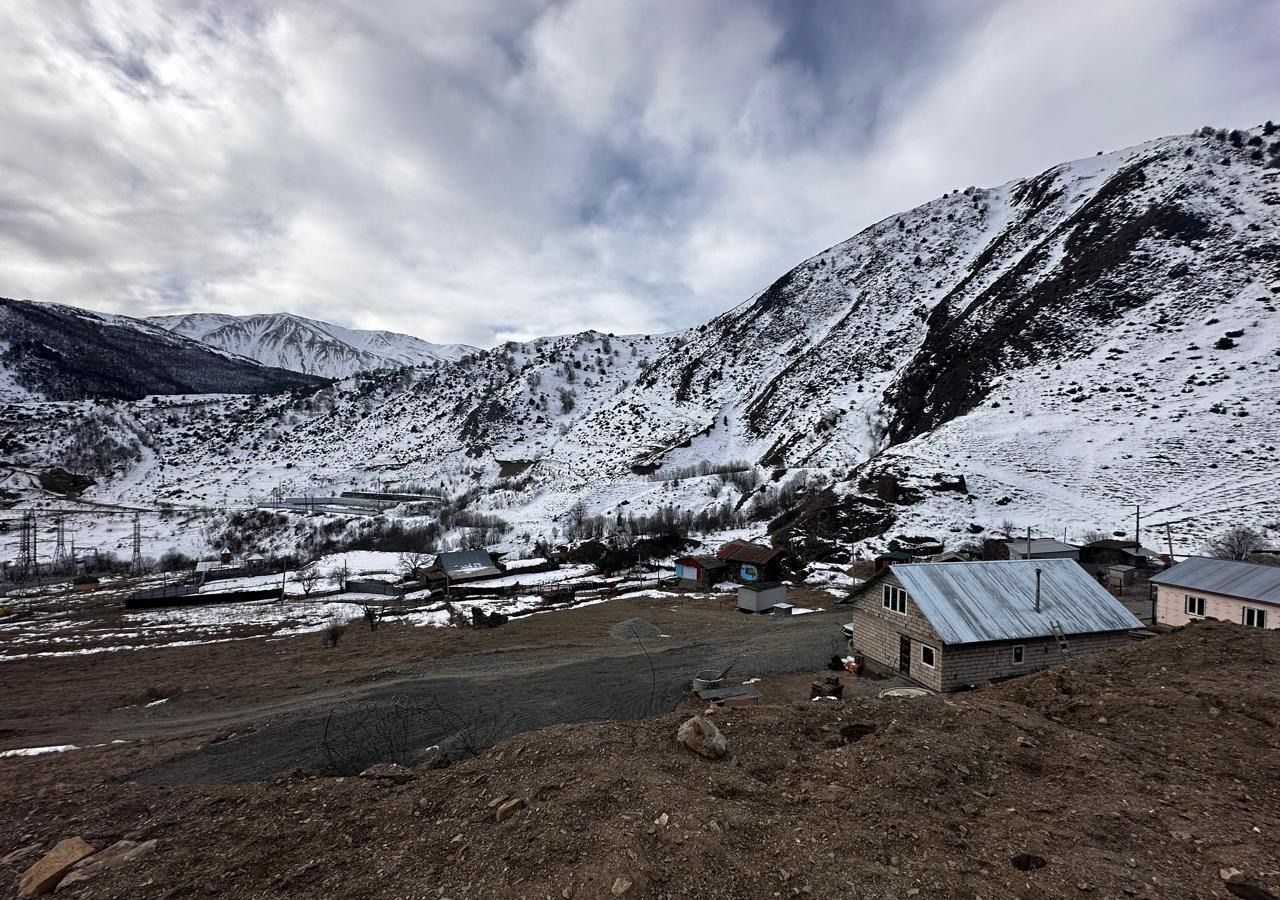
(973, 602)
(1244, 580)
(467, 563)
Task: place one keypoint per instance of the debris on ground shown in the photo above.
(635, 629)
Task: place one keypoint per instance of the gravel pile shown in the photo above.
(635, 628)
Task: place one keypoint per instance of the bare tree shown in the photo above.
(1094, 534)
(308, 577)
(1237, 542)
(1006, 527)
(412, 562)
(338, 576)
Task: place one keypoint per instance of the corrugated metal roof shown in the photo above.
(1245, 580)
(467, 564)
(1040, 545)
(747, 552)
(973, 602)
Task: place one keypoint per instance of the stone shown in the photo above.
(499, 800)
(50, 869)
(388, 772)
(1231, 873)
(19, 855)
(702, 737)
(620, 886)
(1024, 741)
(118, 854)
(510, 808)
(431, 758)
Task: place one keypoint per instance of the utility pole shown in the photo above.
(26, 567)
(1137, 524)
(137, 544)
(1168, 533)
(60, 550)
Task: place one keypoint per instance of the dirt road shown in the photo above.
(493, 694)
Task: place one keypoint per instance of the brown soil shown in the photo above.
(1137, 773)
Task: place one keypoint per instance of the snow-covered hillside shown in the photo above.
(305, 345)
(1048, 352)
(58, 352)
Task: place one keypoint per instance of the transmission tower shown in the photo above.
(137, 544)
(60, 550)
(26, 567)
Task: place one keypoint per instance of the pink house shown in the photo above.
(1201, 588)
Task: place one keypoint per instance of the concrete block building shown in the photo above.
(952, 625)
(1201, 588)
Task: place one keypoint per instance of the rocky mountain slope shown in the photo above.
(1048, 352)
(305, 345)
(55, 352)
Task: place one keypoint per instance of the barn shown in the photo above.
(951, 625)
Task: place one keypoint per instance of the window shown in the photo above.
(1019, 651)
(926, 656)
(1195, 607)
(895, 598)
(1255, 618)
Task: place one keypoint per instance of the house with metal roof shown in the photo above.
(462, 565)
(1041, 548)
(700, 571)
(1224, 589)
(752, 562)
(952, 625)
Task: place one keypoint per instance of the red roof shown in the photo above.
(747, 552)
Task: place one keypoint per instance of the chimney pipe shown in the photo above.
(1037, 590)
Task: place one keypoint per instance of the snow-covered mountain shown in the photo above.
(1048, 352)
(56, 352)
(305, 345)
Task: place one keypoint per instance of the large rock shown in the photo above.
(118, 854)
(700, 736)
(45, 874)
(396, 774)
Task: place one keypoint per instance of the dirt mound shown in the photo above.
(1111, 778)
(635, 629)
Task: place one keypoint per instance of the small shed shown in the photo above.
(761, 596)
(700, 571)
(1121, 576)
(1042, 548)
(750, 562)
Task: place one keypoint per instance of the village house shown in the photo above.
(752, 562)
(461, 565)
(1041, 548)
(1098, 557)
(951, 625)
(1200, 588)
(700, 571)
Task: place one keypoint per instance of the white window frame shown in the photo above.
(932, 652)
(1201, 602)
(894, 598)
(1019, 654)
(1259, 617)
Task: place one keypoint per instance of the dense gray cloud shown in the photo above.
(475, 170)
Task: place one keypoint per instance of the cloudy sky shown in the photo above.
(476, 170)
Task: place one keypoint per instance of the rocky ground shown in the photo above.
(1146, 772)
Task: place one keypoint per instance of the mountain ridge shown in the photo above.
(310, 346)
(1054, 344)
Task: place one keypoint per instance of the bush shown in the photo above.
(334, 629)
